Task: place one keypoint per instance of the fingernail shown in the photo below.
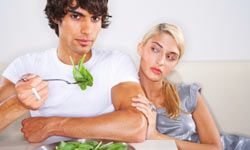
(133, 99)
(133, 104)
(138, 108)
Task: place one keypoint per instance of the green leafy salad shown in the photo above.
(81, 75)
(90, 145)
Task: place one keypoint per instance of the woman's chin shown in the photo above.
(156, 78)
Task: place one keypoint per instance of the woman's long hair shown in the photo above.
(171, 99)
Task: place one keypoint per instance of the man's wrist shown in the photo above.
(55, 125)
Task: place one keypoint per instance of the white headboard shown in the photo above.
(226, 88)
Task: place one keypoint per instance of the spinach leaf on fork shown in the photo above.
(81, 75)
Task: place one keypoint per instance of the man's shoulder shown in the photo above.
(41, 52)
(38, 54)
(112, 55)
(109, 52)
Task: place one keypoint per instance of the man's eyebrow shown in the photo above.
(75, 12)
(158, 44)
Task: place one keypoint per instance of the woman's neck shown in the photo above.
(152, 89)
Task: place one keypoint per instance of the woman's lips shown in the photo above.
(84, 42)
(155, 70)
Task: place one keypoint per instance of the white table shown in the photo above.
(12, 139)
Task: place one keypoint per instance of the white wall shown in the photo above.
(214, 30)
(23, 28)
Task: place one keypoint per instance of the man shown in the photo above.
(77, 24)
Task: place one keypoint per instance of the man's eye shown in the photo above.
(96, 18)
(75, 17)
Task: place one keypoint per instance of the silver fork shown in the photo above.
(68, 82)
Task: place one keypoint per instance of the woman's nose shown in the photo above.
(161, 60)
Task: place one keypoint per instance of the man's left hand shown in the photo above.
(37, 129)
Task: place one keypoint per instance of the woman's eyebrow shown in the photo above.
(174, 53)
(158, 44)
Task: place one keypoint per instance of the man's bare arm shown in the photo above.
(10, 107)
(7, 89)
(125, 124)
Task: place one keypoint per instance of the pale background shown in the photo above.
(217, 37)
(214, 29)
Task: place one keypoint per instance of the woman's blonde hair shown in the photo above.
(171, 96)
(170, 29)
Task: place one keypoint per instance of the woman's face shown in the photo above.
(159, 56)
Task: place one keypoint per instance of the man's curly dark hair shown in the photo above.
(57, 9)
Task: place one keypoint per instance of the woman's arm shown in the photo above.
(208, 133)
(206, 128)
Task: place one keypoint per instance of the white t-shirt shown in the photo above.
(108, 69)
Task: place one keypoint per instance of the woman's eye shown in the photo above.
(172, 57)
(155, 50)
(96, 18)
(75, 17)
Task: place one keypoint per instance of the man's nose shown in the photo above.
(86, 27)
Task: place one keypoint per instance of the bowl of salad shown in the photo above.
(87, 145)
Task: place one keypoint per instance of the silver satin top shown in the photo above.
(184, 127)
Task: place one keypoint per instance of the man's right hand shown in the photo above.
(32, 91)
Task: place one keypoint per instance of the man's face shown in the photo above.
(78, 31)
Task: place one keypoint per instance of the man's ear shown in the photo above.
(139, 49)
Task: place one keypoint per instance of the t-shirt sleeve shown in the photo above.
(14, 71)
(124, 69)
(19, 67)
(188, 96)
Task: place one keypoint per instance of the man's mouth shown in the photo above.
(84, 42)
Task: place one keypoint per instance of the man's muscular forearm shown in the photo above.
(10, 110)
(127, 125)
(124, 124)
(6, 89)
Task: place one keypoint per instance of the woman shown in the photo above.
(181, 112)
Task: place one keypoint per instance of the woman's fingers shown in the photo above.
(142, 104)
(145, 112)
(142, 108)
(141, 99)
(145, 101)
(145, 109)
